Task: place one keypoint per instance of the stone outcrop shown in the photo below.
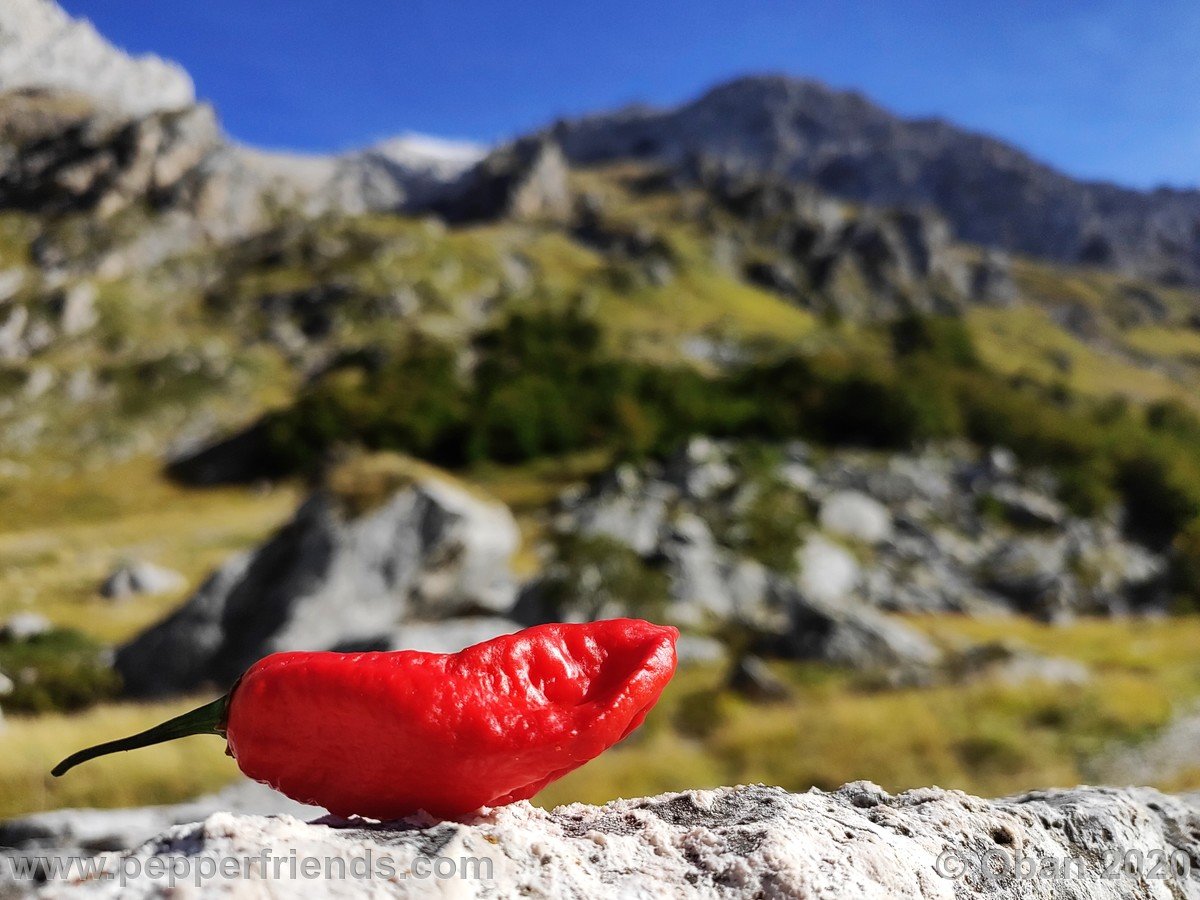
(338, 576)
(858, 842)
(62, 153)
(43, 47)
(525, 181)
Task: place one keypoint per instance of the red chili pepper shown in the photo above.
(385, 735)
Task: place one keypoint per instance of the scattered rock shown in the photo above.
(701, 469)
(39, 380)
(627, 507)
(854, 515)
(753, 679)
(697, 572)
(1030, 571)
(6, 688)
(135, 578)
(828, 572)
(13, 347)
(854, 636)
(1015, 665)
(1028, 509)
(24, 627)
(11, 281)
(992, 282)
(76, 309)
(1171, 754)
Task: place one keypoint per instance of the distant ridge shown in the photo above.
(992, 192)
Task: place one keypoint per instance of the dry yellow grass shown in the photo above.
(1177, 343)
(988, 738)
(164, 774)
(60, 537)
(1026, 341)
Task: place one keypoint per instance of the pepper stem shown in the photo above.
(207, 719)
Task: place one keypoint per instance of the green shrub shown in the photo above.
(594, 575)
(1159, 502)
(1185, 565)
(769, 529)
(58, 670)
(543, 384)
(1173, 418)
(944, 339)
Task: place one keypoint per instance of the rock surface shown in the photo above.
(336, 577)
(136, 577)
(43, 47)
(858, 842)
(525, 181)
(103, 830)
(24, 626)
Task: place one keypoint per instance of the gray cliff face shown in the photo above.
(857, 842)
(991, 192)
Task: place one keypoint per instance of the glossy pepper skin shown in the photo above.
(384, 735)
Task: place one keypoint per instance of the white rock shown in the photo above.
(628, 509)
(694, 649)
(855, 515)
(12, 332)
(694, 566)
(701, 469)
(136, 578)
(40, 380)
(43, 47)
(25, 626)
(798, 475)
(78, 310)
(828, 572)
(451, 635)
(11, 281)
(857, 843)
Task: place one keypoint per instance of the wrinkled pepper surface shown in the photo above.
(384, 735)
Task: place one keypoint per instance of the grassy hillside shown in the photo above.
(592, 347)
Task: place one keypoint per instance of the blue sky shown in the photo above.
(1100, 89)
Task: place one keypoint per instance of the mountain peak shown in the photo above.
(992, 192)
(42, 47)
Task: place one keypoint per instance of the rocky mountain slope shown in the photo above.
(992, 193)
(732, 842)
